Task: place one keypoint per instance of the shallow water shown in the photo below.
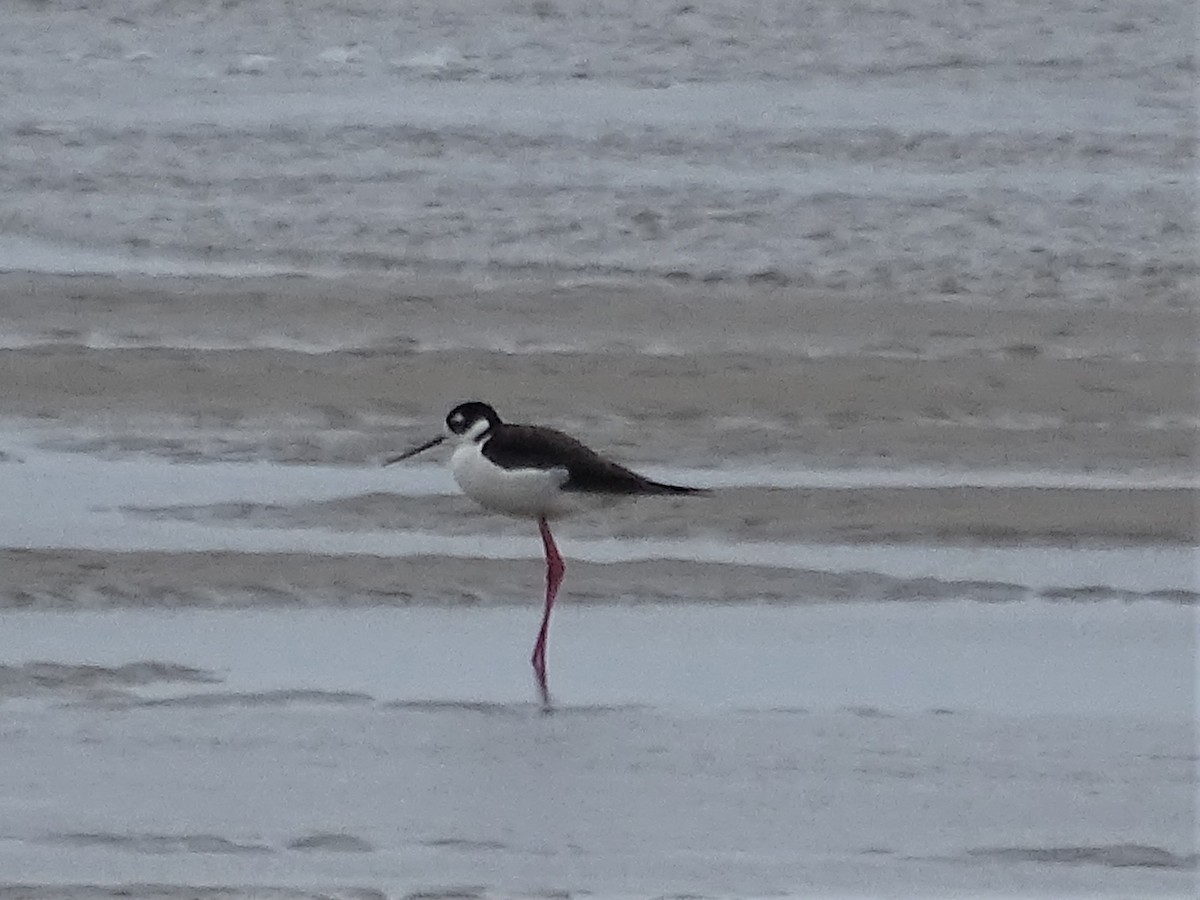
(61, 501)
(717, 751)
(930, 150)
(1004, 659)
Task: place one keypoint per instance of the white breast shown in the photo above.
(514, 492)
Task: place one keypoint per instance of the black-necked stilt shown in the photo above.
(535, 472)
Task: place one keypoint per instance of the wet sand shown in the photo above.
(693, 376)
(70, 579)
(997, 516)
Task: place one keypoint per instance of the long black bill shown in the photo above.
(413, 452)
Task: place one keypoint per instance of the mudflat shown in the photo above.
(305, 372)
(334, 371)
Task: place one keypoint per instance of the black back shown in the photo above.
(535, 447)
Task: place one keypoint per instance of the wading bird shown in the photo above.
(534, 472)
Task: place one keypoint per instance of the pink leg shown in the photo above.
(554, 574)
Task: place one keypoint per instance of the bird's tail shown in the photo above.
(661, 487)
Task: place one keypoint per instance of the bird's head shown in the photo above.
(471, 422)
(467, 423)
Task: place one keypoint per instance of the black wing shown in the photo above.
(534, 447)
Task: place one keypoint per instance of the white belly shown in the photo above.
(527, 493)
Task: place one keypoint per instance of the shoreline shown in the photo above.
(73, 579)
